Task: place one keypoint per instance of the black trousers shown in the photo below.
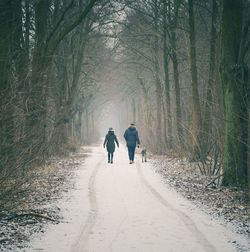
(110, 156)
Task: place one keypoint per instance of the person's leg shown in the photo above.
(108, 157)
(111, 157)
(130, 154)
(133, 153)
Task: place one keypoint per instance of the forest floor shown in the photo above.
(34, 202)
(229, 204)
(36, 206)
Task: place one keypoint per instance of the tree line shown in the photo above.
(50, 54)
(183, 78)
(190, 62)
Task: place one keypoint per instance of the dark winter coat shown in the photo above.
(110, 140)
(131, 137)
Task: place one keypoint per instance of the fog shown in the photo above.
(111, 117)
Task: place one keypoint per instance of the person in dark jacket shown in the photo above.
(132, 139)
(109, 142)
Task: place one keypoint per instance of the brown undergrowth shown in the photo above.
(29, 202)
(229, 203)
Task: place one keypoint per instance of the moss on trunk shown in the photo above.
(233, 86)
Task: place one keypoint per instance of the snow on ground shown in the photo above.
(121, 207)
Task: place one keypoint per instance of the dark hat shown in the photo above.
(111, 129)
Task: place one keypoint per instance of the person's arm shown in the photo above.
(105, 141)
(125, 135)
(117, 143)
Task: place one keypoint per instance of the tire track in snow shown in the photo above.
(124, 218)
(83, 238)
(208, 246)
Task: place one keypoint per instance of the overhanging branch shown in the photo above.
(54, 43)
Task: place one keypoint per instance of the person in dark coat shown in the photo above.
(132, 139)
(109, 142)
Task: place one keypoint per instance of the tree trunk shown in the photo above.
(5, 46)
(79, 127)
(134, 114)
(177, 89)
(87, 126)
(148, 120)
(173, 10)
(196, 113)
(168, 119)
(248, 158)
(10, 44)
(14, 67)
(234, 162)
(36, 100)
(159, 146)
(207, 120)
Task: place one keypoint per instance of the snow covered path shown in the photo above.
(121, 207)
